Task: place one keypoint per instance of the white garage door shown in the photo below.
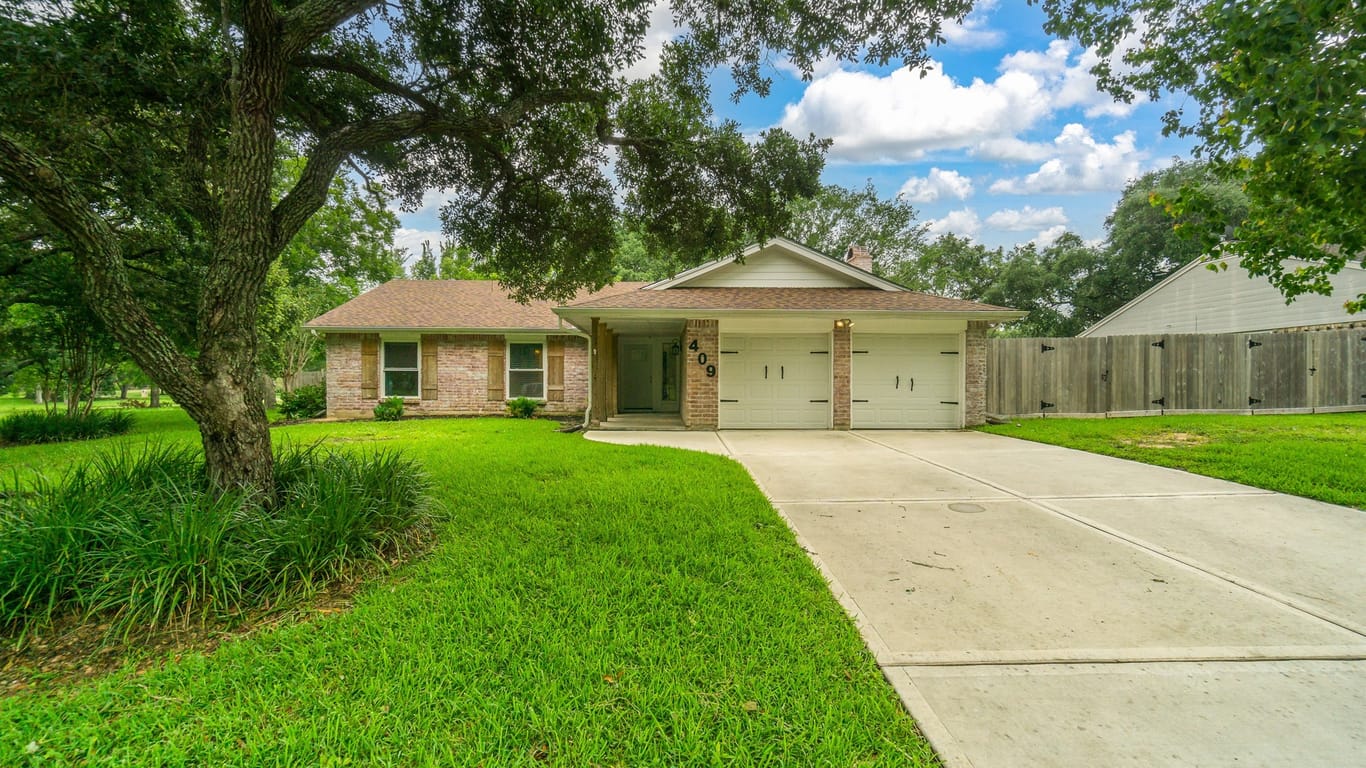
(906, 382)
(775, 382)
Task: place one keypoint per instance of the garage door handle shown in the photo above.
(765, 371)
(898, 383)
(782, 372)
(912, 383)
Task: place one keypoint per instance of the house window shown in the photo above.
(400, 369)
(526, 370)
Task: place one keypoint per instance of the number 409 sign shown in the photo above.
(702, 359)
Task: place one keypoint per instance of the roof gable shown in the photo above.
(779, 263)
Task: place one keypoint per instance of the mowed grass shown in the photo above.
(1320, 456)
(586, 604)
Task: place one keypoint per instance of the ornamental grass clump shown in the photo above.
(43, 427)
(137, 538)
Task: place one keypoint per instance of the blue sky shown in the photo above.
(1005, 140)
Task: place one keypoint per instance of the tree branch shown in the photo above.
(104, 279)
(314, 18)
(367, 76)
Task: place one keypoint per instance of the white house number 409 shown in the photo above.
(702, 359)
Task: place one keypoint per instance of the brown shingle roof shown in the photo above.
(838, 299)
(447, 304)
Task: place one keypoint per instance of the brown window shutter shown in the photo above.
(497, 349)
(369, 367)
(429, 344)
(554, 369)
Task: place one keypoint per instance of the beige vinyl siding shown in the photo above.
(774, 269)
(1198, 300)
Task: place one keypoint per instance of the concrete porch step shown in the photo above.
(664, 422)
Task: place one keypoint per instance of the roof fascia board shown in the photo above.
(559, 331)
(608, 313)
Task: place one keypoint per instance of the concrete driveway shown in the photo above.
(1039, 606)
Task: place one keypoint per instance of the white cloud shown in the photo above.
(1050, 235)
(1079, 163)
(963, 221)
(936, 185)
(973, 31)
(899, 116)
(1070, 80)
(660, 31)
(1028, 217)
(412, 240)
(1012, 150)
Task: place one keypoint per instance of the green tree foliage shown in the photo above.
(1148, 237)
(636, 262)
(454, 262)
(1278, 94)
(951, 265)
(837, 217)
(48, 334)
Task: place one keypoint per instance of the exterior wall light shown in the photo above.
(844, 323)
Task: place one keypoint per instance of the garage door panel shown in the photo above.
(775, 382)
(906, 382)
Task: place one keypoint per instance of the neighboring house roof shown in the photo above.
(1195, 299)
(815, 264)
(446, 305)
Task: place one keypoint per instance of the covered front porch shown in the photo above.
(636, 373)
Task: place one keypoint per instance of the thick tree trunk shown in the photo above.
(236, 436)
(123, 390)
(154, 396)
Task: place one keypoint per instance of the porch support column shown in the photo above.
(700, 391)
(840, 364)
(600, 381)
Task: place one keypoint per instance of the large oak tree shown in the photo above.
(152, 127)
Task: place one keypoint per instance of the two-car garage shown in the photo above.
(786, 381)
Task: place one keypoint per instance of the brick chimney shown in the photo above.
(857, 256)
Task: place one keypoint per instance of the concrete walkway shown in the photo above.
(1039, 606)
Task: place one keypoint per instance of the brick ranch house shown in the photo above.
(782, 337)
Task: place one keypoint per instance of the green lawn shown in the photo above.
(587, 604)
(1319, 456)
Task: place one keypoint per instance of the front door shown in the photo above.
(634, 370)
(647, 375)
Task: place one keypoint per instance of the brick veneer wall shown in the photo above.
(462, 378)
(840, 391)
(975, 374)
(700, 391)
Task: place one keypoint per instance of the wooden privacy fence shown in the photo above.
(1302, 371)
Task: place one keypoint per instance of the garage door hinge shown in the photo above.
(948, 402)
(730, 351)
(949, 353)
(724, 400)
(1251, 343)
(860, 351)
(864, 401)
(820, 401)
(1162, 401)
(820, 352)
(1044, 404)
(1253, 400)
(1160, 344)
(1045, 348)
